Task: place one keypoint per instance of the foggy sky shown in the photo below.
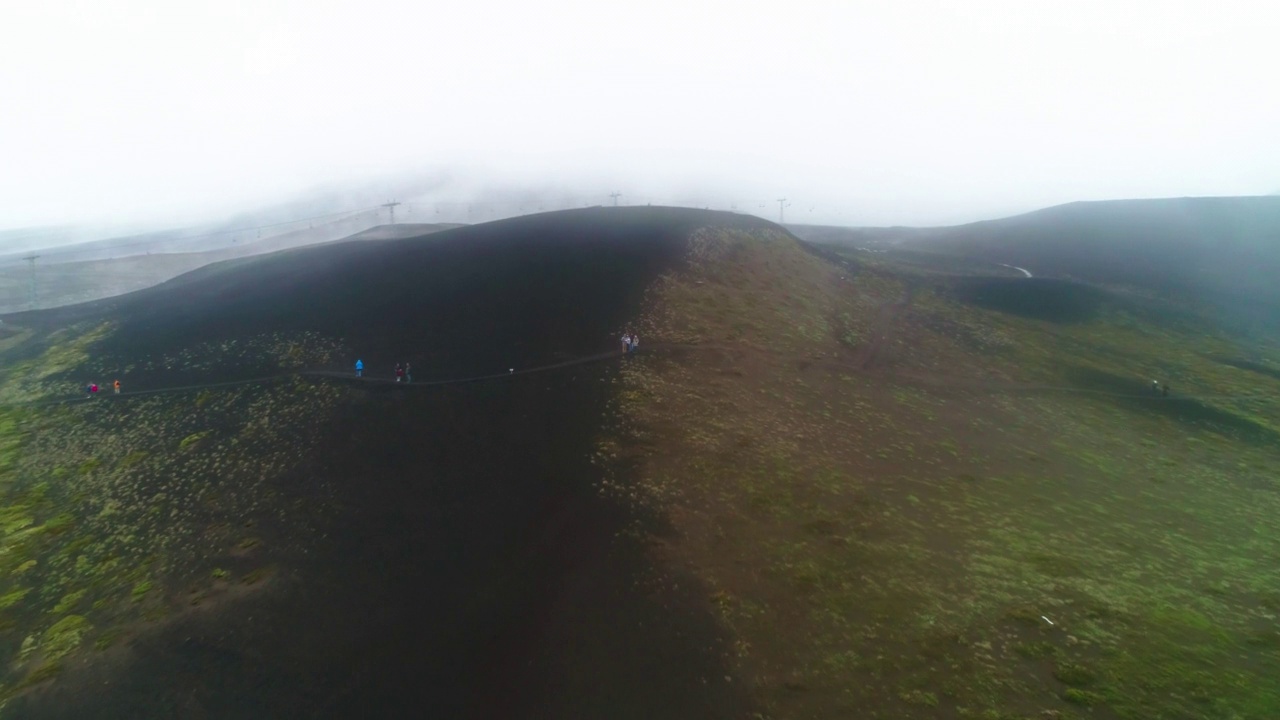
(894, 112)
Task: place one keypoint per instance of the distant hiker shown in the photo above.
(116, 385)
(93, 389)
(408, 377)
(399, 373)
(626, 342)
(1155, 386)
(1164, 390)
(635, 342)
(88, 390)
(359, 368)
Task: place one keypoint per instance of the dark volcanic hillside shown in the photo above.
(330, 548)
(468, 301)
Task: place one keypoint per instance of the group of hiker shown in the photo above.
(1158, 389)
(630, 341)
(91, 389)
(404, 372)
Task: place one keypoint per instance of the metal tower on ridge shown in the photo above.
(782, 205)
(615, 196)
(32, 259)
(392, 206)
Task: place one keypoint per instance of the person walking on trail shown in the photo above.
(408, 377)
(88, 390)
(116, 386)
(626, 342)
(635, 342)
(93, 389)
(399, 373)
(359, 368)
(1155, 386)
(1164, 390)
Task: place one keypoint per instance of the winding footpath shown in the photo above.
(348, 376)
(860, 364)
(1024, 271)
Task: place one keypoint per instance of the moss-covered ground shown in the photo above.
(904, 504)
(118, 513)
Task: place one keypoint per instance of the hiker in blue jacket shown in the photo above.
(359, 367)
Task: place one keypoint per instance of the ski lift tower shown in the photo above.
(32, 259)
(392, 207)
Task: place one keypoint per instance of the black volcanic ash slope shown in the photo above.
(483, 298)
(325, 548)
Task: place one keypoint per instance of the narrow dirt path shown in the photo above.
(863, 362)
(346, 375)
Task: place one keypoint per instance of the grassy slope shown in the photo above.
(117, 515)
(890, 515)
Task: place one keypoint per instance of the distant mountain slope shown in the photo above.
(18, 241)
(1225, 248)
(402, 230)
(856, 236)
(237, 240)
(103, 272)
